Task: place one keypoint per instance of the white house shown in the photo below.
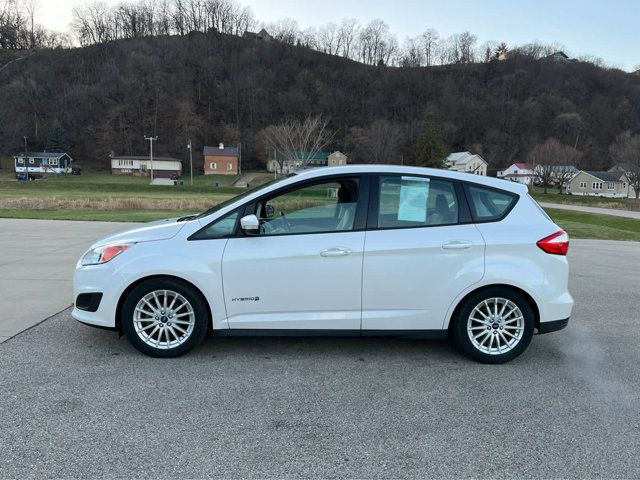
(523, 173)
(467, 162)
(43, 162)
(140, 166)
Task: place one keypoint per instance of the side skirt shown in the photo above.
(420, 334)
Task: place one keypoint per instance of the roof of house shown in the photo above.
(144, 157)
(524, 166)
(604, 176)
(42, 154)
(220, 152)
(462, 158)
(559, 54)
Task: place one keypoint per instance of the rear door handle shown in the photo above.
(457, 245)
(335, 252)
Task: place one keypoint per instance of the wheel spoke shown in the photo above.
(184, 332)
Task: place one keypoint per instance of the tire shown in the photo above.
(511, 332)
(164, 332)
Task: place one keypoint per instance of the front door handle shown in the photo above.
(335, 252)
(457, 245)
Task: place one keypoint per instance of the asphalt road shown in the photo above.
(79, 402)
(616, 212)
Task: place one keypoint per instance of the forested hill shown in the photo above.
(214, 87)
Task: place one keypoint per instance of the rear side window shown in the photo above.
(488, 204)
(416, 202)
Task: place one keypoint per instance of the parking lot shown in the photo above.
(77, 401)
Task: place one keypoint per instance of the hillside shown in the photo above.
(214, 87)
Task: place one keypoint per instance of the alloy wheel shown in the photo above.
(163, 319)
(495, 326)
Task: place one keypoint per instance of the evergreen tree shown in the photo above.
(57, 140)
(429, 149)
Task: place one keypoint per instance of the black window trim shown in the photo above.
(504, 214)
(464, 210)
(360, 221)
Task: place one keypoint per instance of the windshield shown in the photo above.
(248, 192)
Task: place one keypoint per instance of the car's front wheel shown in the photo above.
(494, 325)
(164, 318)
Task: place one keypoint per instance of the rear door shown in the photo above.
(421, 251)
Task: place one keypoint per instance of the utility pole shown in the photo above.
(151, 140)
(26, 160)
(190, 161)
(239, 159)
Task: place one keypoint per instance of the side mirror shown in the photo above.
(250, 224)
(269, 211)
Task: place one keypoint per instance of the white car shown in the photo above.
(353, 250)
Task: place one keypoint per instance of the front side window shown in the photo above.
(229, 166)
(583, 184)
(213, 166)
(488, 204)
(221, 228)
(21, 160)
(318, 208)
(611, 186)
(406, 201)
(31, 160)
(597, 185)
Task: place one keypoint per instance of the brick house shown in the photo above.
(221, 160)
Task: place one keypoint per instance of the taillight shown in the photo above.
(556, 244)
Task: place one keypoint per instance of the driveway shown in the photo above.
(80, 402)
(603, 211)
(37, 258)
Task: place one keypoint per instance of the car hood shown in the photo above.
(160, 230)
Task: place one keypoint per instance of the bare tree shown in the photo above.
(285, 30)
(348, 33)
(412, 53)
(626, 151)
(553, 162)
(31, 7)
(298, 140)
(380, 142)
(430, 41)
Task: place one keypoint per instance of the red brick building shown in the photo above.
(221, 160)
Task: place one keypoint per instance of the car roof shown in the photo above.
(407, 170)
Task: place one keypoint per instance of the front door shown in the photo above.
(303, 270)
(419, 254)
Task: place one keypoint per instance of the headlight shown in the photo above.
(97, 256)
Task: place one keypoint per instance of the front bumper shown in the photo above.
(553, 326)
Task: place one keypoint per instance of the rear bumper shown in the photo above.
(554, 326)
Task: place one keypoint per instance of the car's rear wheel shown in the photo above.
(164, 318)
(494, 325)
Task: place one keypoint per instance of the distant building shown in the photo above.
(558, 57)
(302, 160)
(467, 162)
(600, 184)
(261, 35)
(221, 160)
(43, 162)
(140, 166)
(523, 173)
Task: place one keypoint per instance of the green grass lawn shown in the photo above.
(602, 227)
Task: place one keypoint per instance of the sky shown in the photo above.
(606, 29)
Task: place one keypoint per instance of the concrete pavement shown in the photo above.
(82, 403)
(37, 258)
(603, 211)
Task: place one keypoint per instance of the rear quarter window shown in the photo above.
(488, 204)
